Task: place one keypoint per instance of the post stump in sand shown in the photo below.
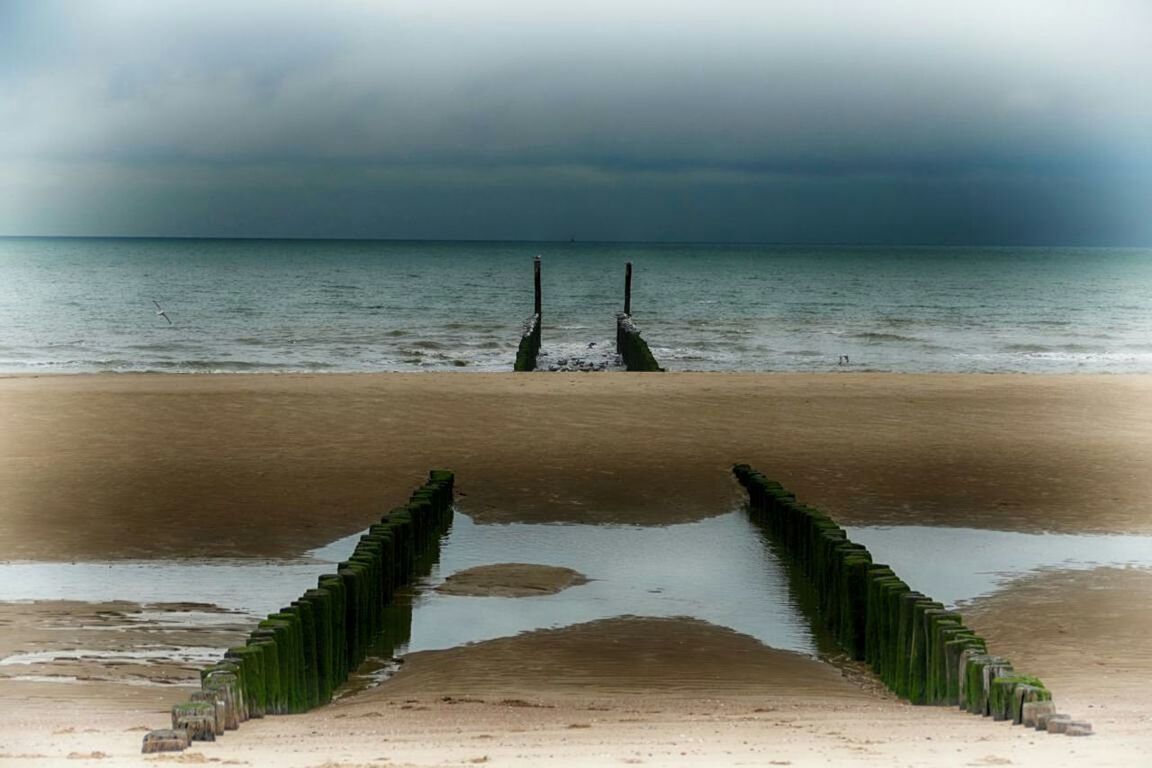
(1079, 728)
(225, 688)
(165, 740)
(1008, 693)
(1031, 711)
(198, 718)
(1028, 692)
(218, 714)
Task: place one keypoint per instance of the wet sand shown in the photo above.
(611, 693)
(115, 644)
(1088, 632)
(95, 467)
(99, 467)
(511, 580)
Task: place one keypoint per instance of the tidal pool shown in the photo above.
(252, 587)
(955, 565)
(722, 570)
(717, 569)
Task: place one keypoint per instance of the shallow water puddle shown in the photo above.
(717, 570)
(189, 611)
(253, 587)
(720, 570)
(954, 565)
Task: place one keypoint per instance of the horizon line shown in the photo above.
(533, 241)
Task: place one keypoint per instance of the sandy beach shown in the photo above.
(96, 468)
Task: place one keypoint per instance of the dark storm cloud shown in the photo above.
(819, 121)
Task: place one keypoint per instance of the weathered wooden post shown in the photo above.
(628, 288)
(297, 656)
(249, 663)
(198, 718)
(174, 740)
(1031, 711)
(1078, 728)
(539, 296)
(922, 651)
(529, 346)
(218, 708)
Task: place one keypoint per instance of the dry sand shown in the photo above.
(95, 467)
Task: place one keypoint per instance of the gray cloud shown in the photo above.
(459, 119)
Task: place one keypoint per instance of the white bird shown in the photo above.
(160, 312)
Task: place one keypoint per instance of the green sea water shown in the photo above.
(85, 305)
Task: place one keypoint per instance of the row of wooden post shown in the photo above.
(631, 347)
(298, 656)
(921, 650)
(529, 348)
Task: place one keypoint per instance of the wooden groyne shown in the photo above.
(529, 348)
(297, 657)
(632, 351)
(920, 650)
(630, 345)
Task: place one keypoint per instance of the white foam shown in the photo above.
(138, 655)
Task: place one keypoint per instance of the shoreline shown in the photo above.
(830, 370)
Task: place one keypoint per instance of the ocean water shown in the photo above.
(85, 305)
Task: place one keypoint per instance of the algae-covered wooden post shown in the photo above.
(539, 295)
(220, 715)
(628, 288)
(197, 718)
(297, 656)
(529, 347)
(920, 650)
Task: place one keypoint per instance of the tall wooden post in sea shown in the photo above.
(530, 339)
(539, 294)
(633, 350)
(628, 288)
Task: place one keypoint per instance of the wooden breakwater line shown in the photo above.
(529, 348)
(630, 345)
(297, 657)
(631, 348)
(920, 650)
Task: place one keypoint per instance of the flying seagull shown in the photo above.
(160, 311)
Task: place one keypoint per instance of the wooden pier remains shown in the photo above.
(630, 345)
(298, 656)
(529, 348)
(920, 650)
(631, 349)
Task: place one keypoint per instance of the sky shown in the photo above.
(882, 121)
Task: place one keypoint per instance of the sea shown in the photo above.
(86, 305)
